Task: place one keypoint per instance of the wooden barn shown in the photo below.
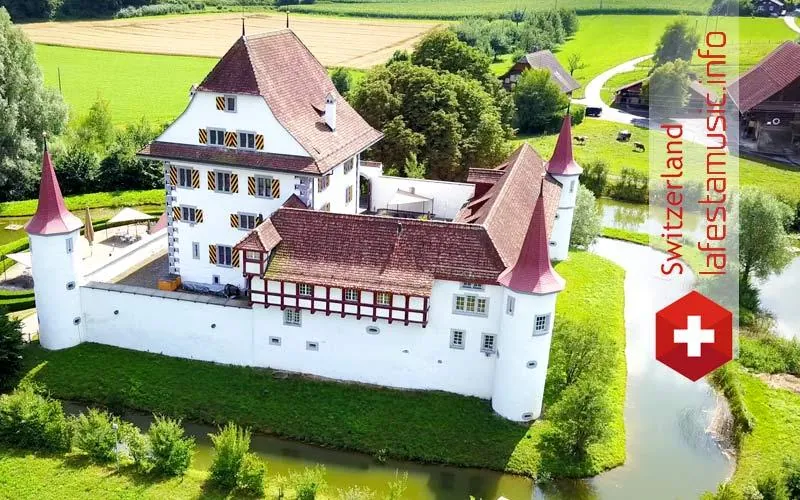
(767, 98)
(769, 8)
(544, 59)
(630, 96)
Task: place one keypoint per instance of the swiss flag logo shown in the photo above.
(694, 335)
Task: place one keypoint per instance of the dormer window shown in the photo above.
(230, 103)
(247, 140)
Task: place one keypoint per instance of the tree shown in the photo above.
(23, 10)
(587, 220)
(448, 120)
(341, 80)
(10, 350)
(442, 50)
(28, 110)
(595, 177)
(575, 62)
(76, 169)
(764, 246)
(667, 89)
(539, 101)
(679, 41)
(579, 419)
(96, 130)
(576, 355)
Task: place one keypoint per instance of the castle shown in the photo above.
(346, 273)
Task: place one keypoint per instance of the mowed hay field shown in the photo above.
(335, 42)
(454, 9)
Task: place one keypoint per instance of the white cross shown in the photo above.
(693, 336)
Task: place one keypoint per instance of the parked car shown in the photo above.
(593, 111)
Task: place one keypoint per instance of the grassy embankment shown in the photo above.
(413, 425)
(455, 9)
(780, 180)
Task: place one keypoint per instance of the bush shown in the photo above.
(31, 421)
(157, 9)
(576, 357)
(250, 478)
(171, 451)
(96, 433)
(398, 486)
(540, 102)
(10, 350)
(631, 186)
(138, 448)
(595, 177)
(309, 483)
(587, 223)
(579, 418)
(76, 169)
(341, 80)
(231, 445)
(355, 493)
(770, 487)
(792, 481)
(577, 113)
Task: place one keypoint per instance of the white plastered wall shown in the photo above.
(562, 229)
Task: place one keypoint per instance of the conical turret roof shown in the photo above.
(52, 216)
(562, 162)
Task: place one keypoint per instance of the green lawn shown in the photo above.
(781, 180)
(91, 200)
(454, 9)
(420, 426)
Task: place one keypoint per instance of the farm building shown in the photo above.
(421, 287)
(767, 98)
(770, 8)
(632, 97)
(543, 59)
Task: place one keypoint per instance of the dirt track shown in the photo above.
(354, 43)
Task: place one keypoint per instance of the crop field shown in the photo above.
(335, 42)
(454, 9)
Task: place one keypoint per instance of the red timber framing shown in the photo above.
(340, 306)
(247, 258)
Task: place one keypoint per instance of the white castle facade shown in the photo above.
(344, 272)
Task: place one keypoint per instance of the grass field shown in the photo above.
(454, 9)
(92, 200)
(781, 180)
(421, 426)
(353, 43)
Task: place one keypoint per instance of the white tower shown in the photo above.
(563, 167)
(53, 232)
(531, 288)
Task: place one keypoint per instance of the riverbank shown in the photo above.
(429, 427)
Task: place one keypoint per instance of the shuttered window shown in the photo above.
(216, 137)
(247, 140)
(222, 182)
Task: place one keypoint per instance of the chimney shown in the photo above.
(330, 110)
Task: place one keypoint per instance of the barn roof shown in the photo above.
(279, 67)
(544, 59)
(772, 74)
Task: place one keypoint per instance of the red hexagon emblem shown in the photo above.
(694, 335)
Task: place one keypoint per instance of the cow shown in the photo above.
(581, 140)
(638, 147)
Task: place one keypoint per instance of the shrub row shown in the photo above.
(631, 185)
(725, 380)
(159, 9)
(768, 353)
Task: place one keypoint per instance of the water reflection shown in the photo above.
(636, 217)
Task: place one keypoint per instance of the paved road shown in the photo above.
(791, 22)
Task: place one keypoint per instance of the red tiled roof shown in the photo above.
(52, 216)
(563, 162)
(507, 206)
(262, 239)
(281, 69)
(484, 175)
(775, 72)
(294, 201)
(379, 253)
(533, 272)
(231, 157)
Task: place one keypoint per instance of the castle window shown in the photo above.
(348, 194)
(312, 346)
(224, 255)
(216, 137)
(304, 289)
(510, 306)
(215, 279)
(488, 343)
(185, 177)
(541, 324)
(348, 165)
(195, 250)
(470, 304)
(69, 245)
(188, 214)
(325, 208)
(572, 187)
(264, 187)
(247, 221)
(230, 103)
(249, 255)
(247, 140)
(291, 316)
(274, 341)
(383, 298)
(223, 182)
(472, 286)
(323, 183)
(350, 295)
(457, 339)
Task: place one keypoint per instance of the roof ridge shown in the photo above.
(509, 171)
(385, 218)
(265, 34)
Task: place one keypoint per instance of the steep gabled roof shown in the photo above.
(772, 74)
(281, 69)
(544, 59)
(52, 216)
